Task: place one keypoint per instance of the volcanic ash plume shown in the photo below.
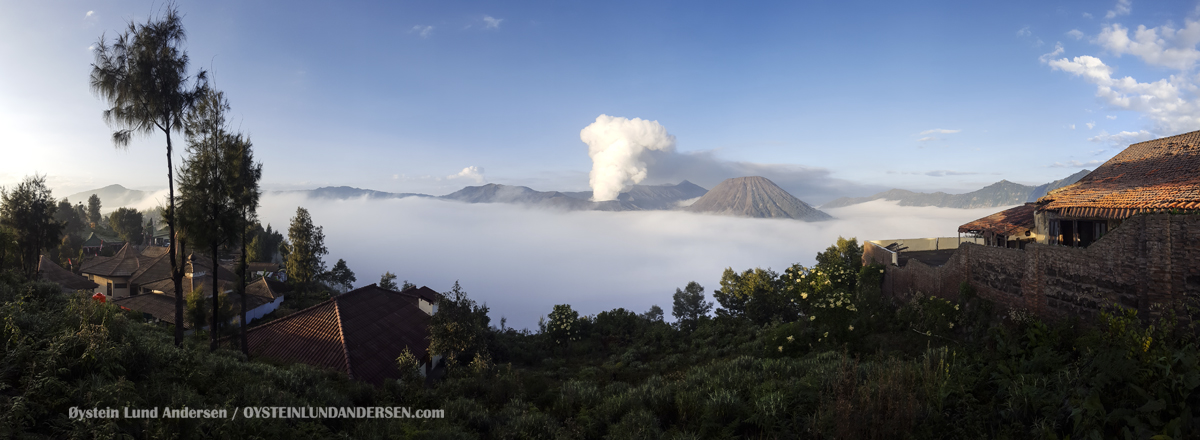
(619, 149)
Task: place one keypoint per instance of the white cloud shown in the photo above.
(491, 22)
(91, 48)
(472, 172)
(944, 173)
(1123, 138)
(423, 31)
(1122, 8)
(1072, 126)
(1087, 15)
(1171, 102)
(1024, 32)
(1075, 33)
(1076, 164)
(1160, 46)
(89, 14)
(516, 259)
(939, 131)
(1058, 50)
(927, 139)
(1091, 125)
(1111, 117)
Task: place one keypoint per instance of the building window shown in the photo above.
(121, 286)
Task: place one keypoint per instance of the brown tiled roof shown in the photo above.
(1162, 174)
(162, 306)
(424, 293)
(1012, 221)
(262, 267)
(159, 306)
(155, 251)
(360, 333)
(167, 286)
(52, 272)
(122, 264)
(265, 288)
(157, 269)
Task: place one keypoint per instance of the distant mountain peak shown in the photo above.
(755, 196)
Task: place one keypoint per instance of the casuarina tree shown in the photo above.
(206, 208)
(244, 194)
(305, 248)
(143, 76)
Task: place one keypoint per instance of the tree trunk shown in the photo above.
(242, 289)
(216, 320)
(176, 272)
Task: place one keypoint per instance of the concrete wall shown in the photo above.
(1150, 259)
(102, 285)
(928, 244)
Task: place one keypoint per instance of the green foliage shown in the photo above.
(409, 366)
(459, 329)
(71, 247)
(28, 212)
(341, 276)
(756, 295)
(388, 281)
(689, 306)
(305, 249)
(127, 223)
(93, 211)
(264, 243)
(654, 314)
(66, 216)
(196, 309)
(931, 315)
(564, 325)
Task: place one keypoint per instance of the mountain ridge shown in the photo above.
(1002, 193)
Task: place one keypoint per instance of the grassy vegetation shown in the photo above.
(829, 358)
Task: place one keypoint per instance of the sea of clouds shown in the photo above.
(522, 261)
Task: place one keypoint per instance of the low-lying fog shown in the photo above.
(521, 261)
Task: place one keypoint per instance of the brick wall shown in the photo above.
(1149, 259)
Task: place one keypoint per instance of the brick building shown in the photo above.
(1126, 235)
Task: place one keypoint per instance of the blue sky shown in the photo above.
(399, 96)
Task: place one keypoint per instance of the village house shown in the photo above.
(50, 271)
(1126, 235)
(359, 333)
(141, 281)
(1011, 228)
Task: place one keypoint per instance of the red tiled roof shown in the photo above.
(1012, 221)
(1161, 174)
(52, 272)
(360, 333)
